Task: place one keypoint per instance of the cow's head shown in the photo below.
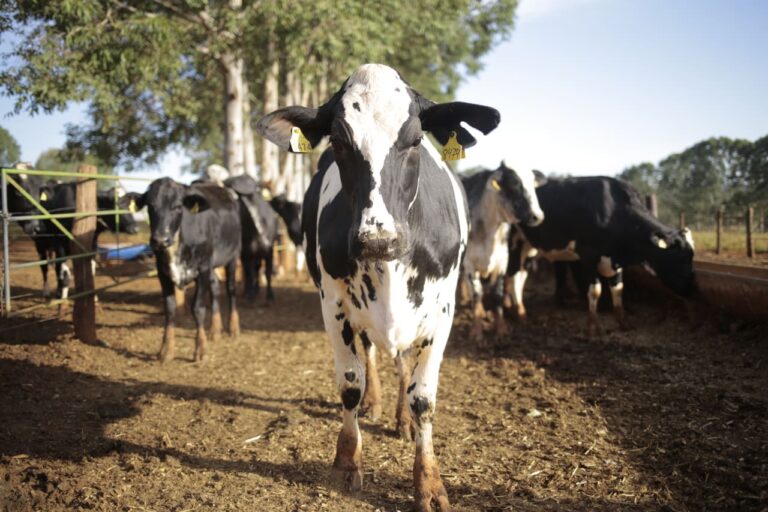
(376, 123)
(516, 192)
(164, 200)
(20, 205)
(290, 212)
(670, 257)
(125, 223)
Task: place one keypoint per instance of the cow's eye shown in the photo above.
(417, 141)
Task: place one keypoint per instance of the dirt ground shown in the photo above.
(665, 417)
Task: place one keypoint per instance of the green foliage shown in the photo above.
(152, 71)
(712, 173)
(9, 148)
(68, 160)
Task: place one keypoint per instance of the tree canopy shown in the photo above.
(9, 148)
(162, 74)
(714, 173)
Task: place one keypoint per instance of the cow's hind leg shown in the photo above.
(422, 397)
(268, 272)
(216, 324)
(497, 307)
(350, 378)
(405, 426)
(372, 398)
(198, 312)
(478, 312)
(234, 317)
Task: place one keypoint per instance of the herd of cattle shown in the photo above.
(389, 232)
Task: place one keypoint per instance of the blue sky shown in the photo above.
(588, 86)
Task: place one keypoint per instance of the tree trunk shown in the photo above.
(234, 153)
(270, 158)
(249, 145)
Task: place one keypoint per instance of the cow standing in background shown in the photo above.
(496, 200)
(604, 224)
(385, 227)
(259, 234)
(290, 212)
(195, 229)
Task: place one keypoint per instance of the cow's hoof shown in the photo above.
(406, 430)
(164, 356)
(200, 356)
(349, 479)
(371, 411)
(430, 491)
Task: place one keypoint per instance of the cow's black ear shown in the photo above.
(243, 184)
(132, 201)
(195, 203)
(443, 118)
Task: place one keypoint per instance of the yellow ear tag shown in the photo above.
(662, 243)
(43, 196)
(299, 143)
(132, 206)
(452, 149)
(266, 194)
(195, 208)
(495, 184)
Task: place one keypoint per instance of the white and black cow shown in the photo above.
(603, 223)
(496, 199)
(195, 229)
(385, 226)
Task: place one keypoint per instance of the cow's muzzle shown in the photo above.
(379, 247)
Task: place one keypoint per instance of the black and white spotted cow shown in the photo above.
(603, 223)
(195, 228)
(496, 199)
(385, 226)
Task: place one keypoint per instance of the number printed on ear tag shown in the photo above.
(299, 143)
(452, 149)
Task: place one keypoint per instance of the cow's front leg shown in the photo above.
(198, 312)
(497, 303)
(372, 397)
(616, 283)
(350, 378)
(269, 269)
(405, 426)
(169, 303)
(422, 398)
(216, 324)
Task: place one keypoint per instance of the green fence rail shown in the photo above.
(7, 178)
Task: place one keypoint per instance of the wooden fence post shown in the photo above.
(720, 215)
(83, 229)
(750, 216)
(652, 204)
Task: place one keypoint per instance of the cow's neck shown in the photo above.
(486, 217)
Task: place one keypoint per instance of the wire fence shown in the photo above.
(12, 180)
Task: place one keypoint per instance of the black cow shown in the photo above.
(496, 199)
(60, 198)
(259, 224)
(603, 223)
(195, 229)
(290, 212)
(385, 226)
